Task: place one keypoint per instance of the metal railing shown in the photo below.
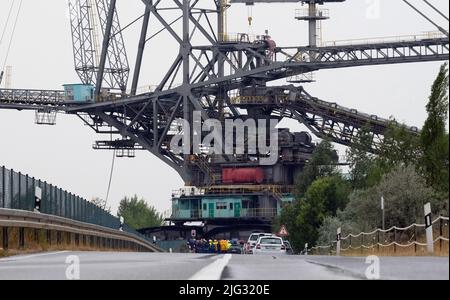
(244, 189)
(186, 214)
(242, 37)
(17, 192)
(188, 191)
(195, 214)
(259, 212)
(305, 13)
(232, 189)
(42, 97)
(382, 40)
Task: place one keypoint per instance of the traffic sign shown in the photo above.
(283, 231)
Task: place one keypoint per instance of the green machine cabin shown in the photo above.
(192, 206)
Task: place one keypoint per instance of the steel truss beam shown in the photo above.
(82, 40)
(115, 67)
(34, 99)
(209, 67)
(334, 122)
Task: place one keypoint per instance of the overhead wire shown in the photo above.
(250, 15)
(7, 21)
(440, 28)
(12, 34)
(435, 9)
(2, 71)
(250, 20)
(110, 178)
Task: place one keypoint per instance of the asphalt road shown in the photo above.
(151, 266)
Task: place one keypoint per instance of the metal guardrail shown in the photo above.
(17, 192)
(10, 218)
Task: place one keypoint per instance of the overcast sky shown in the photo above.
(42, 58)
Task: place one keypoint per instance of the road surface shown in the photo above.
(158, 266)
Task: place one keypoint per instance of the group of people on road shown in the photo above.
(209, 246)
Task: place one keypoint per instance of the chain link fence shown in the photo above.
(17, 191)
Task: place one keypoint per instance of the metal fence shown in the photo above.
(17, 191)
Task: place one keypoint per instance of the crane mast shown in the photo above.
(87, 17)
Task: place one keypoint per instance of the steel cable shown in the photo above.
(427, 18)
(7, 21)
(436, 10)
(12, 34)
(110, 178)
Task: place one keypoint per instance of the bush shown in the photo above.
(405, 193)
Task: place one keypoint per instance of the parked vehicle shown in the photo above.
(289, 249)
(236, 247)
(251, 243)
(270, 245)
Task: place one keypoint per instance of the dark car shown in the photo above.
(289, 249)
(237, 247)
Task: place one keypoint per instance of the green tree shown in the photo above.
(328, 230)
(360, 159)
(324, 198)
(322, 164)
(138, 214)
(400, 147)
(434, 138)
(328, 195)
(288, 218)
(405, 193)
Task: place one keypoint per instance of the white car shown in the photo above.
(251, 243)
(270, 245)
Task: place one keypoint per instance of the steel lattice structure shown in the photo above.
(210, 69)
(84, 18)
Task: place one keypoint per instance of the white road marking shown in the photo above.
(17, 258)
(214, 270)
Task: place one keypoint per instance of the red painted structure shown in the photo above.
(242, 175)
